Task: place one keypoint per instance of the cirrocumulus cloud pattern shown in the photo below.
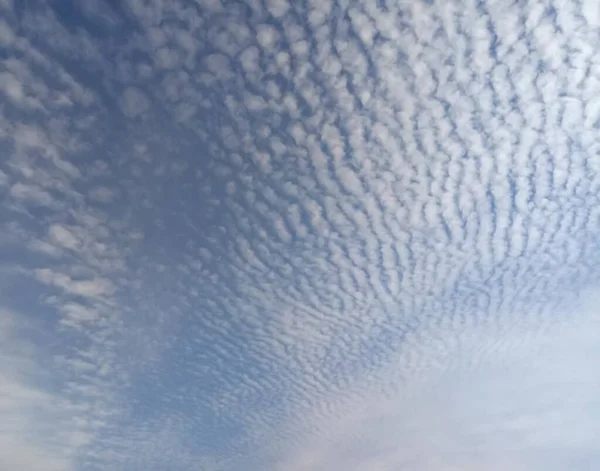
(300, 235)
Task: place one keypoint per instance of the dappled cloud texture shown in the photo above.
(300, 235)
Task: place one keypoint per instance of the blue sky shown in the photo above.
(314, 235)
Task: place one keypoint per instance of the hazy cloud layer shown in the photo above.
(275, 235)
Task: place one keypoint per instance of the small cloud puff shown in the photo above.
(134, 102)
(103, 194)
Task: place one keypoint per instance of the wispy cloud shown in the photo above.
(299, 235)
(30, 412)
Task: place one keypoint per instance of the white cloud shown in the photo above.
(219, 65)
(267, 37)
(11, 87)
(78, 313)
(464, 404)
(134, 102)
(591, 12)
(341, 222)
(30, 414)
(95, 287)
(278, 8)
(33, 194)
(3, 179)
(249, 59)
(44, 247)
(167, 58)
(103, 194)
(63, 237)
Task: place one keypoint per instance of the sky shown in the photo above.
(271, 235)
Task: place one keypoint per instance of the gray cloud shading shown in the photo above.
(300, 235)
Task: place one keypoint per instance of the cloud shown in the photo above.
(45, 248)
(11, 87)
(6, 33)
(86, 288)
(591, 13)
(321, 235)
(469, 405)
(29, 412)
(31, 193)
(63, 237)
(103, 194)
(134, 102)
(3, 179)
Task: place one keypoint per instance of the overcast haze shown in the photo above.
(300, 235)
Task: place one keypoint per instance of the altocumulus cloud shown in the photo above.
(307, 235)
